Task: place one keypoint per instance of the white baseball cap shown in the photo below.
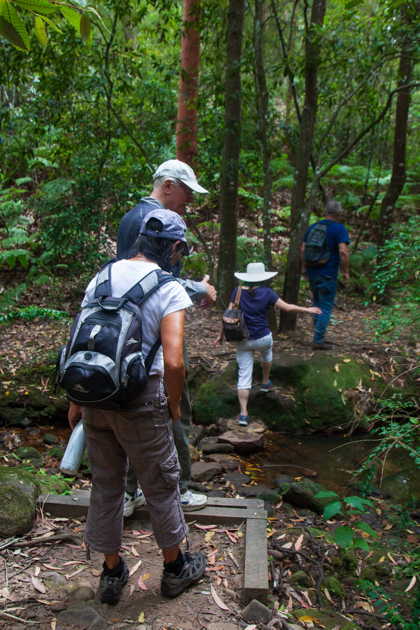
(175, 169)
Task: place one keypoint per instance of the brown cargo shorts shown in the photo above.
(144, 435)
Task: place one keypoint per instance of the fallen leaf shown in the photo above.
(209, 536)
(140, 582)
(253, 627)
(337, 367)
(134, 551)
(134, 568)
(346, 360)
(37, 571)
(412, 583)
(234, 560)
(50, 566)
(140, 618)
(38, 585)
(217, 599)
(298, 543)
(219, 567)
(328, 596)
(205, 526)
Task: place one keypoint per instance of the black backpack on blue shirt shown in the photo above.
(102, 364)
(316, 251)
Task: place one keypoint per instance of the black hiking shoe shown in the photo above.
(193, 569)
(110, 587)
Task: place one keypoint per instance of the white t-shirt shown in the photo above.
(169, 298)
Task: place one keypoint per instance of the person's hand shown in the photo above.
(74, 414)
(211, 292)
(314, 310)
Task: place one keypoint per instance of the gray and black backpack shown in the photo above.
(102, 364)
(316, 251)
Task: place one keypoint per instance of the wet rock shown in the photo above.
(212, 445)
(19, 493)
(302, 494)
(243, 441)
(256, 612)
(237, 478)
(204, 471)
(29, 453)
(50, 438)
(228, 463)
(260, 492)
(80, 617)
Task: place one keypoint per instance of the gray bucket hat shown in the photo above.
(255, 272)
(172, 226)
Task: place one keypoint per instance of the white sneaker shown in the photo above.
(192, 501)
(131, 501)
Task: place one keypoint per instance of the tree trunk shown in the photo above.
(300, 208)
(231, 148)
(186, 124)
(398, 175)
(262, 126)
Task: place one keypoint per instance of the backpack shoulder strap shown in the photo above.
(145, 287)
(103, 286)
(237, 299)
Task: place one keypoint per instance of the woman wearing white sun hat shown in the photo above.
(255, 300)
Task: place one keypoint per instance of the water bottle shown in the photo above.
(73, 454)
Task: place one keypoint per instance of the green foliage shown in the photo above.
(31, 312)
(15, 238)
(248, 250)
(398, 271)
(14, 16)
(396, 425)
(49, 483)
(391, 610)
(348, 536)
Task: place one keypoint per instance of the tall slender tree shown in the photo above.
(231, 148)
(300, 204)
(186, 124)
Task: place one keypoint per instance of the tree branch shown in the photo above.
(366, 130)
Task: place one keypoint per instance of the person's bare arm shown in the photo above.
(293, 308)
(343, 249)
(172, 336)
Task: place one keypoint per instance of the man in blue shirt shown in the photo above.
(332, 242)
(174, 183)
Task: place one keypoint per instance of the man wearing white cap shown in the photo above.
(174, 183)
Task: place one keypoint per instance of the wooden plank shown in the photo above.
(256, 561)
(217, 511)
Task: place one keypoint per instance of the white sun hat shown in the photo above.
(255, 272)
(175, 169)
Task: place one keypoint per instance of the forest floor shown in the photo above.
(39, 584)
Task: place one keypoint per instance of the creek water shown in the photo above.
(331, 461)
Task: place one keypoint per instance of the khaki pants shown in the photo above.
(144, 435)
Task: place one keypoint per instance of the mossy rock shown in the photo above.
(308, 395)
(334, 586)
(302, 494)
(327, 619)
(19, 492)
(29, 453)
(215, 398)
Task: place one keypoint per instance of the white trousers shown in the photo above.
(245, 357)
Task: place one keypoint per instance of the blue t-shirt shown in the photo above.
(336, 234)
(254, 305)
(130, 226)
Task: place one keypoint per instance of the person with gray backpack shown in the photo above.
(324, 251)
(123, 368)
